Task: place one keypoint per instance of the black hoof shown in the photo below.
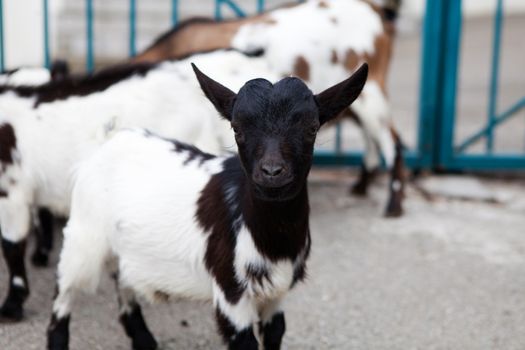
(136, 329)
(394, 210)
(40, 259)
(57, 341)
(144, 341)
(58, 333)
(359, 189)
(11, 312)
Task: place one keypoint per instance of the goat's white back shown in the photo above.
(145, 214)
(313, 32)
(54, 136)
(26, 76)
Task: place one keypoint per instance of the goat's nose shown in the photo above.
(271, 170)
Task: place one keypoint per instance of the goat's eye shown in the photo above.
(238, 134)
(313, 131)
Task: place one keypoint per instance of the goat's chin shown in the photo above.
(276, 194)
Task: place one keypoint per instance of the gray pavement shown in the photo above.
(448, 275)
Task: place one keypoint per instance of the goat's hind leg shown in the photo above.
(373, 113)
(381, 139)
(82, 260)
(132, 320)
(371, 157)
(369, 168)
(58, 329)
(397, 179)
(43, 225)
(12, 308)
(14, 223)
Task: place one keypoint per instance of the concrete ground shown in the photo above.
(450, 274)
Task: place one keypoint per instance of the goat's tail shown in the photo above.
(83, 258)
(391, 9)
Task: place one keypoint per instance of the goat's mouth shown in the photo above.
(275, 193)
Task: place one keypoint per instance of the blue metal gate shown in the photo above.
(441, 50)
(437, 101)
(90, 53)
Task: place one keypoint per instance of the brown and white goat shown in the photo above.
(319, 41)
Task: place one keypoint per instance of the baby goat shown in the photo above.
(179, 222)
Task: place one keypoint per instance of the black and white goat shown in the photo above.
(178, 222)
(46, 129)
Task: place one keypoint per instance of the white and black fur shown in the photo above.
(42, 217)
(178, 222)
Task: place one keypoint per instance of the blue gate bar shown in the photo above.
(430, 73)
(90, 58)
(230, 4)
(47, 55)
(338, 141)
(174, 12)
(1, 36)
(487, 162)
(260, 6)
(452, 32)
(493, 94)
(132, 27)
(329, 159)
(497, 120)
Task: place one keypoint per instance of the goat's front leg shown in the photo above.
(14, 228)
(272, 325)
(236, 321)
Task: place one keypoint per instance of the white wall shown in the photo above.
(24, 31)
(23, 35)
(23, 24)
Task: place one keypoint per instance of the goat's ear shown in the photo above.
(221, 97)
(334, 100)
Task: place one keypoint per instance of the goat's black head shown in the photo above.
(275, 126)
(59, 70)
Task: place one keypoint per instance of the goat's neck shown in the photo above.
(279, 228)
